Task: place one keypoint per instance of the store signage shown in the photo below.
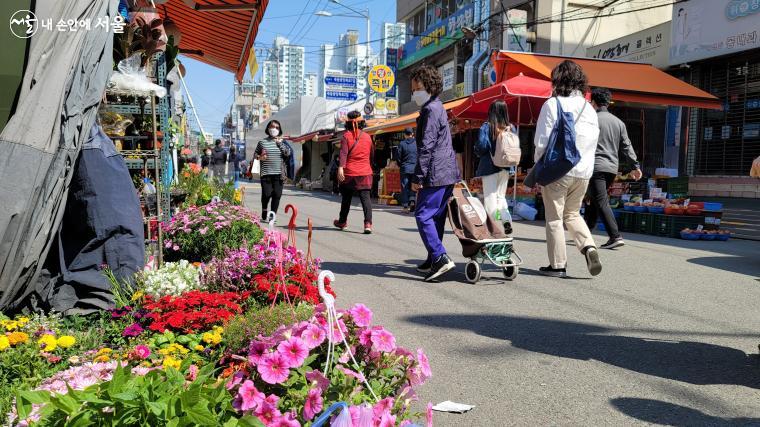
(448, 72)
(381, 78)
(438, 36)
(340, 80)
(708, 133)
(380, 104)
(753, 103)
(368, 108)
(516, 36)
(459, 90)
(391, 60)
(709, 28)
(649, 46)
(751, 130)
(391, 106)
(725, 132)
(341, 95)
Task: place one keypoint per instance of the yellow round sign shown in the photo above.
(380, 104)
(392, 106)
(381, 78)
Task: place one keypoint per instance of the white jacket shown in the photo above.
(586, 131)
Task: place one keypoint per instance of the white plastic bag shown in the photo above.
(131, 78)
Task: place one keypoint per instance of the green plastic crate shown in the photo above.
(644, 223)
(678, 185)
(626, 221)
(676, 223)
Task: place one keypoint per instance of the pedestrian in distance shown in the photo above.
(233, 164)
(436, 170)
(495, 179)
(563, 197)
(206, 159)
(355, 171)
(407, 161)
(613, 142)
(218, 160)
(271, 153)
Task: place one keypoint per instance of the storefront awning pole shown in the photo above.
(192, 104)
(519, 104)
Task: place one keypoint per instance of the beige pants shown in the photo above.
(562, 202)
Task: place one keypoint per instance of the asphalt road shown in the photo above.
(667, 334)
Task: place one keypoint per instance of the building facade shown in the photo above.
(283, 72)
(310, 84)
(348, 59)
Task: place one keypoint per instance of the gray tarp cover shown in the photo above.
(63, 84)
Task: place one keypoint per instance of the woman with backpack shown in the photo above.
(566, 124)
(355, 171)
(496, 132)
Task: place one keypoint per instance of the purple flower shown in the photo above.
(313, 404)
(293, 352)
(318, 378)
(273, 369)
(250, 397)
(132, 330)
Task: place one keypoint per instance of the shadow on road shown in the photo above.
(670, 414)
(738, 264)
(686, 361)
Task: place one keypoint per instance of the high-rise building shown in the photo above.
(348, 58)
(393, 37)
(283, 72)
(310, 84)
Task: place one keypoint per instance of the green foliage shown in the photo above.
(262, 320)
(159, 398)
(201, 189)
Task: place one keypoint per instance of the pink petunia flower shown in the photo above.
(142, 351)
(192, 372)
(273, 368)
(429, 414)
(313, 336)
(383, 340)
(256, 351)
(313, 404)
(424, 364)
(362, 315)
(250, 397)
(387, 420)
(365, 337)
(350, 373)
(318, 378)
(293, 352)
(287, 420)
(267, 412)
(382, 407)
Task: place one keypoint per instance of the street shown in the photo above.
(667, 334)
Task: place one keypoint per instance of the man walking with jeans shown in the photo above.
(613, 139)
(407, 160)
(436, 170)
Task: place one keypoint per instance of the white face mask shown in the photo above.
(274, 132)
(420, 97)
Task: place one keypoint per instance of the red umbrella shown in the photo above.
(524, 97)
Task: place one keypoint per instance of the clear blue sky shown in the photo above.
(211, 88)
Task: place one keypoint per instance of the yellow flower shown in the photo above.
(4, 342)
(199, 347)
(18, 338)
(218, 329)
(137, 295)
(66, 341)
(216, 339)
(47, 342)
(11, 325)
(105, 351)
(172, 362)
(22, 321)
(208, 337)
(101, 358)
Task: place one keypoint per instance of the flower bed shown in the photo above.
(201, 233)
(241, 340)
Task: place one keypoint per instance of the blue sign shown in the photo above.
(347, 82)
(340, 95)
(753, 104)
(391, 60)
(736, 9)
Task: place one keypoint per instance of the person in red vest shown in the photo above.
(355, 171)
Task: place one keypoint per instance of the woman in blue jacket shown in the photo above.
(495, 179)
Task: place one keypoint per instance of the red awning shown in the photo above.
(524, 96)
(216, 32)
(628, 81)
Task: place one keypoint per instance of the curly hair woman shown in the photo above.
(436, 171)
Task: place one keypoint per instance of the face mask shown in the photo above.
(208, 153)
(420, 97)
(274, 132)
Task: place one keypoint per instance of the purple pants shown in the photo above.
(431, 217)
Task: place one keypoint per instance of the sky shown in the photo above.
(211, 88)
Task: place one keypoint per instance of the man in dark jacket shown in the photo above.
(407, 161)
(613, 140)
(436, 170)
(218, 160)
